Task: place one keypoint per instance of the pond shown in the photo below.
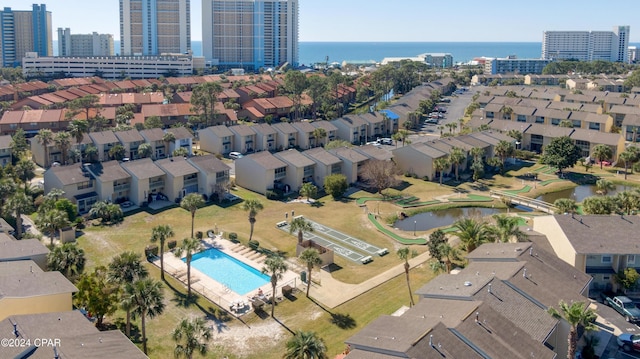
(581, 192)
(428, 220)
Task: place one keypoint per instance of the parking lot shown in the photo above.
(455, 111)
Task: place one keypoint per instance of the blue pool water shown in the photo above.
(239, 277)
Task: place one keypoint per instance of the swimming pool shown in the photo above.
(239, 277)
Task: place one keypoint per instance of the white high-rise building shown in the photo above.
(250, 34)
(154, 27)
(587, 45)
(84, 44)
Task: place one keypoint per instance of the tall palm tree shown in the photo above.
(68, 259)
(456, 158)
(191, 203)
(602, 152)
(52, 221)
(147, 300)
(318, 135)
(126, 268)
(439, 165)
(275, 267)
(44, 138)
(77, 129)
(404, 254)
(18, 203)
(576, 314)
(306, 345)
(565, 205)
(449, 254)
(300, 225)
(253, 206)
(627, 157)
(160, 234)
(507, 227)
(471, 232)
(504, 149)
(310, 257)
(145, 150)
(62, 139)
(25, 170)
(308, 190)
(191, 336)
(168, 137)
(189, 247)
(604, 185)
(91, 152)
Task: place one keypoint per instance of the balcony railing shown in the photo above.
(156, 184)
(191, 181)
(121, 187)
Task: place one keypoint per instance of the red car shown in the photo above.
(629, 342)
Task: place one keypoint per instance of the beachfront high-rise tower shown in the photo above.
(154, 27)
(587, 45)
(23, 31)
(250, 34)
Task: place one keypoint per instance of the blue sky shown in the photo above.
(399, 20)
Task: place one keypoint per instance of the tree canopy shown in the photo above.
(561, 153)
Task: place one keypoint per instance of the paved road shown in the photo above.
(455, 111)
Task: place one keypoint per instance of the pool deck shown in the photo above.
(218, 292)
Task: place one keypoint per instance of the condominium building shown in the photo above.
(155, 27)
(250, 34)
(24, 31)
(512, 65)
(84, 44)
(587, 45)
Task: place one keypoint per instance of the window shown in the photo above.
(606, 258)
(631, 259)
(606, 277)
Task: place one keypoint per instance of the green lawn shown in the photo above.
(524, 189)
(387, 232)
(472, 198)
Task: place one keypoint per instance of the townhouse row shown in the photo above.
(496, 307)
(139, 182)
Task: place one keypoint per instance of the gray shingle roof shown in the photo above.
(11, 249)
(34, 284)
(265, 159)
(70, 174)
(585, 233)
(152, 134)
(294, 158)
(5, 141)
(209, 164)
(349, 154)
(242, 130)
(321, 155)
(143, 168)
(109, 171)
(180, 133)
(129, 136)
(176, 166)
(103, 138)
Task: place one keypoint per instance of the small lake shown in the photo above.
(428, 220)
(581, 192)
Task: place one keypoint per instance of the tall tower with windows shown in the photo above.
(25, 31)
(250, 34)
(154, 27)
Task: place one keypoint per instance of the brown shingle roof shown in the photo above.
(142, 169)
(210, 164)
(176, 166)
(294, 158)
(180, 133)
(265, 159)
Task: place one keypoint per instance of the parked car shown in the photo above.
(629, 342)
(385, 141)
(625, 306)
(235, 155)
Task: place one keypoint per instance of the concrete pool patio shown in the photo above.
(220, 293)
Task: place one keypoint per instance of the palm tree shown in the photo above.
(310, 257)
(253, 206)
(127, 268)
(504, 149)
(189, 247)
(602, 152)
(441, 164)
(160, 234)
(145, 150)
(68, 259)
(168, 137)
(306, 345)
(604, 185)
(404, 254)
(627, 157)
(18, 203)
(147, 300)
(62, 139)
(449, 254)
(456, 158)
(308, 190)
(191, 336)
(44, 138)
(507, 227)
(77, 129)
(318, 135)
(91, 152)
(191, 203)
(25, 170)
(565, 205)
(576, 314)
(471, 232)
(628, 201)
(301, 225)
(275, 267)
(52, 221)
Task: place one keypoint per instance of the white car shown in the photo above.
(385, 141)
(235, 155)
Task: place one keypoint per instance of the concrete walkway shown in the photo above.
(332, 293)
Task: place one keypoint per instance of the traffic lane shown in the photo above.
(613, 318)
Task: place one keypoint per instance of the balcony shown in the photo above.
(121, 187)
(191, 182)
(156, 184)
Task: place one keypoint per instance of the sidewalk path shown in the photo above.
(332, 292)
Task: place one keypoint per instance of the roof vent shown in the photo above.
(467, 284)
(518, 249)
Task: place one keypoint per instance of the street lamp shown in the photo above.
(414, 227)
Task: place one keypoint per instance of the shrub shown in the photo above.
(233, 236)
(425, 178)
(172, 244)
(199, 235)
(253, 244)
(151, 250)
(407, 174)
(413, 175)
(272, 195)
